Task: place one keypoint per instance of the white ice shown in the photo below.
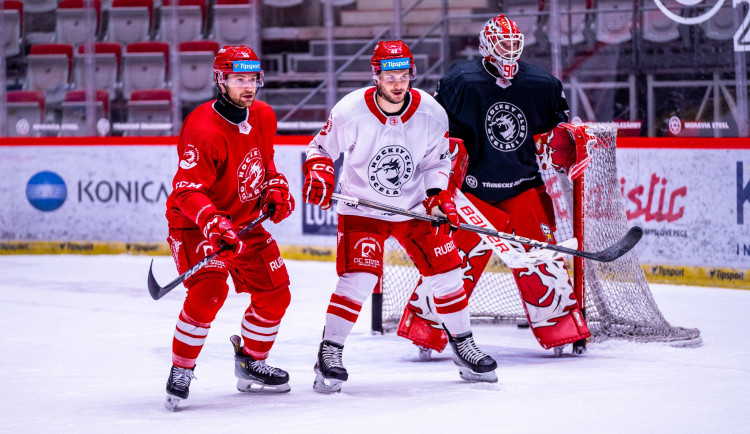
(84, 349)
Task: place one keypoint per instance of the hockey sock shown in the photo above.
(352, 290)
(258, 334)
(341, 315)
(451, 303)
(189, 336)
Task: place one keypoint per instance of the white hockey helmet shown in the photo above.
(501, 44)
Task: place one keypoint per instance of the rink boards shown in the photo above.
(107, 195)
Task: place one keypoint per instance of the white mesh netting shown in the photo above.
(619, 303)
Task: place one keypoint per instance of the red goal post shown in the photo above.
(618, 300)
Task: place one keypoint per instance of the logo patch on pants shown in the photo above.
(368, 252)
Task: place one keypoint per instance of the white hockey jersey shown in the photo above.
(388, 159)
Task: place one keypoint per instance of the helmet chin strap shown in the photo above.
(225, 93)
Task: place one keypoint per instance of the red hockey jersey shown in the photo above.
(223, 165)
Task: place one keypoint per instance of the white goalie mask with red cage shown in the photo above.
(501, 44)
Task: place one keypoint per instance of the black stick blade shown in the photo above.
(621, 247)
(157, 291)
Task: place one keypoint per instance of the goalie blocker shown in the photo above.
(550, 304)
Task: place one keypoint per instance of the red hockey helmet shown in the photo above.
(237, 59)
(501, 43)
(392, 55)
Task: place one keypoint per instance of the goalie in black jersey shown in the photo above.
(497, 104)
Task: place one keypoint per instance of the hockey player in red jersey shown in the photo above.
(225, 179)
(497, 104)
(395, 140)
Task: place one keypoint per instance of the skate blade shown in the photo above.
(579, 348)
(477, 377)
(251, 386)
(559, 350)
(172, 402)
(425, 354)
(326, 385)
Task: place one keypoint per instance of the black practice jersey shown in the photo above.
(497, 124)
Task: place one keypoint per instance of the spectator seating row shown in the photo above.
(127, 21)
(148, 111)
(613, 21)
(53, 69)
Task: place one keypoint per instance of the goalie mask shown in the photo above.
(243, 65)
(392, 56)
(501, 44)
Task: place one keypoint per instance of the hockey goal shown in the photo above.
(618, 300)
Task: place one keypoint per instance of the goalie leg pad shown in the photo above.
(546, 291)
(419, 322)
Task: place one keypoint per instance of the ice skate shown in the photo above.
(579, 347)
(329, 368)
(256, 376)
(178, 386)
(473, 364)
(425, 354)
(559, 350)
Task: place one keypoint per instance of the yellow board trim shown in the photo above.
(670, 274)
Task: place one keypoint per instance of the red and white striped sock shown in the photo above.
(189, 337)
(341, 315)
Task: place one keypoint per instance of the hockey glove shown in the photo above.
(319, 180)
(277, 201)
(219, 231)
(440, 203)
(565, 149)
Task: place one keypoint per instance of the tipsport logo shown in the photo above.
(46, 191)
(393, 64)
(246, 66)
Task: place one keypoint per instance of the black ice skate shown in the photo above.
(473, 364)
(254, 375)
(178, 386)
(329, 368)
(579, 348)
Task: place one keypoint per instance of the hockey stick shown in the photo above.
(622, 246)
(158, 292)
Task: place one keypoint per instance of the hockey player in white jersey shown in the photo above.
(395, 144)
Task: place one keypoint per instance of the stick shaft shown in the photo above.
(613, 252)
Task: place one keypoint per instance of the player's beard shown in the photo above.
(389, 98)
(241, 102)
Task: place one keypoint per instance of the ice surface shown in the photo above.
(84, 349)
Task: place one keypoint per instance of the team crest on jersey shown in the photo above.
(505, 126)
(190, 157)
(250, 176)
(327, 127)
(390, 169)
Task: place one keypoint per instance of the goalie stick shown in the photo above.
(158, 292)
(622, 246)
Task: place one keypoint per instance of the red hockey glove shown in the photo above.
(319, 180)
(218, 231)
(440, 203)
(564, 149)
(277, 201)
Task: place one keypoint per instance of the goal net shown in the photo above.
(618, 300)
